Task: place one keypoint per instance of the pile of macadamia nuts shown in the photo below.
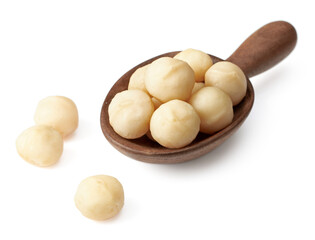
(173, 99)
(97, 197)
(42, 145)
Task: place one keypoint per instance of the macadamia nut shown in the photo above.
(58, 112)
(130, 112)
(199, 61)
(168, 78)
(40, 145)
(99, 197)
(174, 124)
(228, 77)
(137, 79)
(214, 108)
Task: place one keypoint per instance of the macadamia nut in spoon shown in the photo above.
(228, 77)
(168, 78)
(199, 61)
(174, 124)
(130, 112)
(214, 108)
(137, 79)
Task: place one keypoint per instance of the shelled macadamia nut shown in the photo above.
(137, 79)
(168, 78)
(175, 124)
(130, 112)
(199, 61)
(59, 113)
(40, 145)
(197, 86)
(214, 108)
(99, 197)
(228, 77)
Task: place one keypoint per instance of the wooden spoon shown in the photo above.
(262, 50)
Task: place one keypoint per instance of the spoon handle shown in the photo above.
(265, 48)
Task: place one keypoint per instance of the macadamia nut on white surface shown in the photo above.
(40, 145)
(228, 77)
(214, 108)
(59, 113)
(199, 61)
(168, 78)
(99, 197)
(174, 124)
(137, 79)
(130, 112)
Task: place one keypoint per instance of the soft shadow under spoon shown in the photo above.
(262, 50)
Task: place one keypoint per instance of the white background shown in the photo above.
(260, 184)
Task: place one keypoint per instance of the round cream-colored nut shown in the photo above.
(40, 145)
(199, 61)
(99, 197)
(59, 113)
(175, 124)
(228, 77)
(168, 78)
(130, 112)
(197, 86)
(137, 79)
(214, 108)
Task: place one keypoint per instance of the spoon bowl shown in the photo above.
(253, 56)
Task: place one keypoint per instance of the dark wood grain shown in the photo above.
(146, 150)
(265, 48)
